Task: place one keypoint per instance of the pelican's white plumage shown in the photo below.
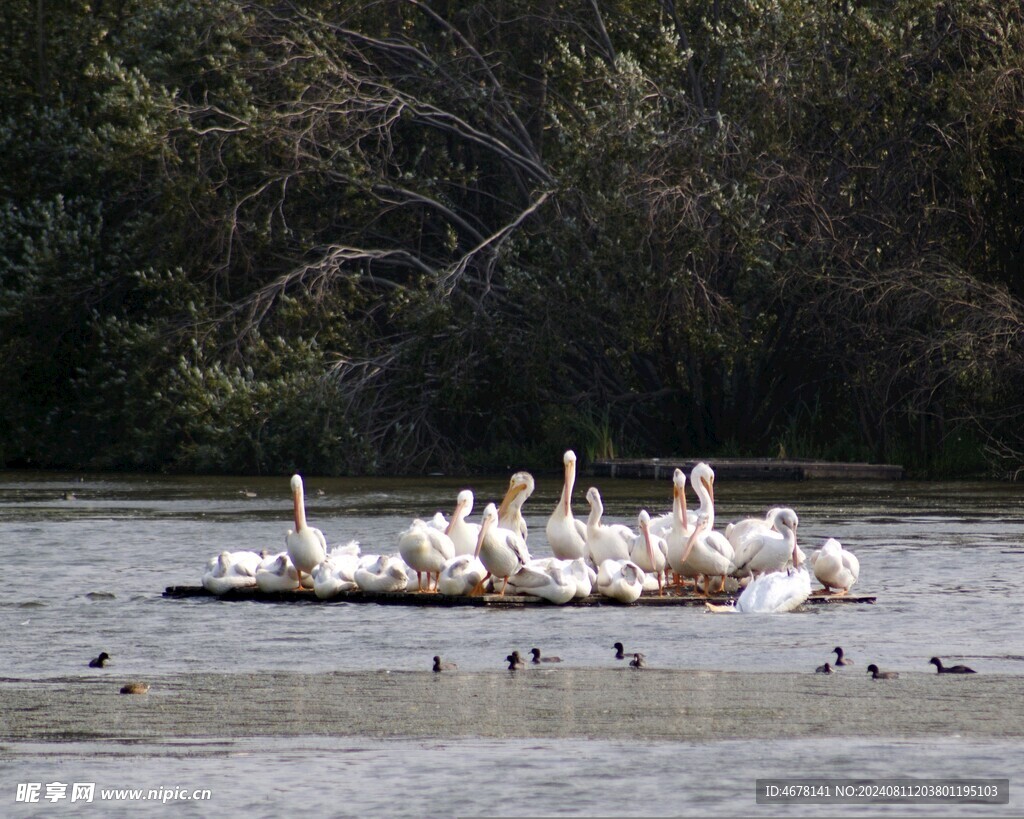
(461, 575)
(510, 512)
(501, 550)
(649, 551)
(680, 527)
(605, 541)
(567, 536)
(585, 577)
(385, 574)
(775, 592)
(548, 579)
(425, 550)
(336, 572)
(620, 580)
(680, 516)
(709, 553)
(231, 570)
(772, 550)
(306, 545)
(277, 573)
(743, 530)
(835, 567)
(463, 533)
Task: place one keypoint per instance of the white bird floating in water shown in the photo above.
(835, 567)
(620, 580)
(771, 593)
(567, 536)
(231, 570)
(306, 545)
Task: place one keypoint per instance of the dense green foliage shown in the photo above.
(399, 236)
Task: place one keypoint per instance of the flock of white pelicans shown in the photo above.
(453, 556)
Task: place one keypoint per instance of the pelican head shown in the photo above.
(520, 487)
(705, 475)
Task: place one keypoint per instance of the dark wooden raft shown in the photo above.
(509, 601)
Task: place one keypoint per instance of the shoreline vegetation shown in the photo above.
(239, 239)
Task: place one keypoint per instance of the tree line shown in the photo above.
(395, 236)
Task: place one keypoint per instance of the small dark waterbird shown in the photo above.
(823, 669)
(840, 659)
(881, 675)
(98, 662)
(135, 688)
(443, 666)
(953, 669)
(515, 662)
(638, 661)
(619, 651)
(538, 659)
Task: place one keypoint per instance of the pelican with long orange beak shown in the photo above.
(306, 545)
(648, 551)
(709, 553)
(567, 536)
(501, 550)
(510, 513)
(464, 534)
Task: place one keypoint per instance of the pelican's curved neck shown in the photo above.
(596, 510)
(300, 509)
(707, 505)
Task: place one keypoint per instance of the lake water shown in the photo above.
(86, 574)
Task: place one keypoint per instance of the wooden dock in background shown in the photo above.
(748, 469)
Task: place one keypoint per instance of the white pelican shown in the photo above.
(771, 593)
(605, 542)
(425, 550)
(835, 567)
(548, 579)
(277, 573)
(501, 550)
(663, 524)
(385, 574)
(510, 513)
(306, 545)
(566, 535)
(742, 530)
(709, 553)
(620, 580)
(463, 533)
(461, 575)
(649, 551)
(772, 549)
(586, 577)
(336, 572)
(231, 570)
(680, 527)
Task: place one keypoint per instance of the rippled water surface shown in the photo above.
(86, 573)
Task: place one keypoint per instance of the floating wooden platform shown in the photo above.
(494, 601)
(748, 469)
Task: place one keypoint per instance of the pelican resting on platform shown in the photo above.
(567, 536)
(835, 567)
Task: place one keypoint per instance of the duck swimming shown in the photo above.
(840, 659)
(953, 669)
(135, 688)
(443, 666)
(538, 659)
(619, 651)
(515, 662)
(637, 661)
(97, 662)
(823, 669)
(881, 675)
